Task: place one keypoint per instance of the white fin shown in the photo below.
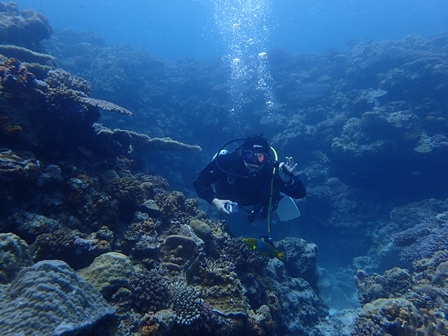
(287, 209)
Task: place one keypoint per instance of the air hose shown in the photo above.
(271, 193)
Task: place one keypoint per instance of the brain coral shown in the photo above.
(49, 298)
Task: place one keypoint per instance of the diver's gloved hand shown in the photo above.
(288, 170)
(220, 205)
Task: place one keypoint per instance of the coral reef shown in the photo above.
(367, 124)
(50, 298)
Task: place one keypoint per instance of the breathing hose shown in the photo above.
(271, 193)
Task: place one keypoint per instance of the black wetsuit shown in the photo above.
(232, 180)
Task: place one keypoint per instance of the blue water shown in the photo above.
(175, 29)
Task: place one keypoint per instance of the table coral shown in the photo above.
(27, 55)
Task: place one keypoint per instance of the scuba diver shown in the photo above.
(249, 177)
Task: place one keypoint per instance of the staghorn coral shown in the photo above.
(57, 244)
(14, 255)
(50, 298)
(210, 272)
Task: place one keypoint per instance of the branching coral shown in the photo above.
(170, 204)
(242, 257)
(186, 302)
(126, 190)
(149, 291)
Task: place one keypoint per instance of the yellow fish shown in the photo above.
(262, 247)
